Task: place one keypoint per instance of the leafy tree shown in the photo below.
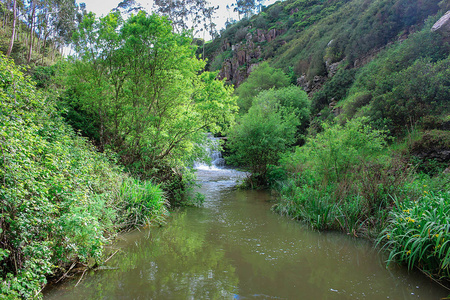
(268, 129)
(141, 82)
(245, 7)
(13, 34)
(262, 78)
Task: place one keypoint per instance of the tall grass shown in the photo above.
(341, 179)
(143, 204)
(418, 233)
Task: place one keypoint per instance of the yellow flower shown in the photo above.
(388, 236)
(425, 192)
(408, 252)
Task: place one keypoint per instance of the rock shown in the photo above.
(332, 68)
(447, 171)
(332, 104)
(442, 26)
(303, 83)
(260, 35)
(271, 35)
(241, 57)
(336, 111)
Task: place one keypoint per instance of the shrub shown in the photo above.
(268, 129)
(262, 78)
(142, 203)
(341, 179)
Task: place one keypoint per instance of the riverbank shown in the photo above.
(61, 200)
(347, 178)
(235, 247)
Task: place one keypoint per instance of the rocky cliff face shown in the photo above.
(246, 54)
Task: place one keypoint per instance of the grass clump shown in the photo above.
(418, 233)
(143, 203)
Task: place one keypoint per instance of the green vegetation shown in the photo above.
(141, 90)
(363, 153)
(340, 179)
(418, 232)
(262, 78)
(61, 200)
(141, 97)
(379, 88)
(268, 129)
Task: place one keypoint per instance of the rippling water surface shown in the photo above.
(236, 248)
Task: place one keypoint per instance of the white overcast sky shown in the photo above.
(102, 7)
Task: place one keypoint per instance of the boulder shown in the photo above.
(442, 26)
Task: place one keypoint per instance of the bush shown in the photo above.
(143, 203)
(262, 78)
(341, 179)
(268, 129)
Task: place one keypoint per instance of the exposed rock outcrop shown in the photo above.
(245, 55)
(442, 26)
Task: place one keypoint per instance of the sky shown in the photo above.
(102, 7)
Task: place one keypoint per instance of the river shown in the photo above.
(234, 247)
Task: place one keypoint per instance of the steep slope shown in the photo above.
(309, 38)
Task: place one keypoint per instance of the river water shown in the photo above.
(234, 247)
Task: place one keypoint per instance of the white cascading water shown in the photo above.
(217, 161)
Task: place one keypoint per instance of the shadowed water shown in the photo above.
(236, 248)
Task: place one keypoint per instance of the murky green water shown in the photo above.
(236, 248)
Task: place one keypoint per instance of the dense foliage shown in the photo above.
(340, 179)
(140, 85)
(60, 200)
(262, 78)
(404, 84)
(418, 232)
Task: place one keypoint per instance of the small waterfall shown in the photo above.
(215, 157)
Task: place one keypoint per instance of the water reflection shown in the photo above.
(236, 248)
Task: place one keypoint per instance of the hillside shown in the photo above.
(308, 36)
(327, 43)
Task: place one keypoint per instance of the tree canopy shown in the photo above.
(141, 82)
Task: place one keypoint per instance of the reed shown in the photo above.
(418, 233)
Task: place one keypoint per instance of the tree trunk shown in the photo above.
(30, 48)
(11, 43)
